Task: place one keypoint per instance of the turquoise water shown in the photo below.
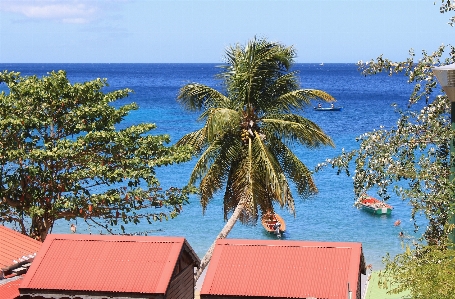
(327, 216)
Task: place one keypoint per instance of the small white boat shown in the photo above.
(328, 108)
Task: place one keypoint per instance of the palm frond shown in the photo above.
(195, 97)
(211, 182)
(204, 162)
(294, 168)
(251, 69)
(284, 83)
(297, 99)
(249, 205)
(265, 93)
(231, 194)
(197, 140)
(214, 165)
(317, 94)
(292, 127)
(220, 121)
(270, 175)
(239, 189)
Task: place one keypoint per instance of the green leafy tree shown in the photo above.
(61, 157)
(447, 6)
(412, 160)
(243, 145)
(427, 273)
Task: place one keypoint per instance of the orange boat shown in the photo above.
(375, 206)
(273, 223)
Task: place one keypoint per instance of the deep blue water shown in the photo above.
(327, 216)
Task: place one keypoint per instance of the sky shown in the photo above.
(200, 31)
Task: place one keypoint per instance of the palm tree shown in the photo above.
(243, 145)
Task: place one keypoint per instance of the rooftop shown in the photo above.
(280, 268)
(96, 263)
(14, 247)
(9, 288)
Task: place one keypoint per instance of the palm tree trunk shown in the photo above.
(224, 232)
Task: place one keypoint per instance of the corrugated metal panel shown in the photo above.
(14, 245)
(10, 290)
(291, 269)
(130, 264)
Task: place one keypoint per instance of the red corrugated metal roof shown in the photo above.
(14, 245)
(279, 268)
(10, 290)
(132, 264)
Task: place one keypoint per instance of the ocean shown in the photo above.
(328, 216)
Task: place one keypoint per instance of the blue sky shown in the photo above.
(176, 31)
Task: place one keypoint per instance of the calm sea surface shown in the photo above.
(328, 216)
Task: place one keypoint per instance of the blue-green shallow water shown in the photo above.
(327, 216)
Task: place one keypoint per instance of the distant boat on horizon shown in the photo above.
(328, 108)
(322, 63)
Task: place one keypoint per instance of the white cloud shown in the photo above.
(67, 11)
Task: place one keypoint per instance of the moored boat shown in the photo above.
(374, 205)
(273, 223)
(328, 108)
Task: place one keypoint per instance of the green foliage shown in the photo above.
(411, 158)
(427, 273)
(447, 6)
(243, 144)
(61, 157)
